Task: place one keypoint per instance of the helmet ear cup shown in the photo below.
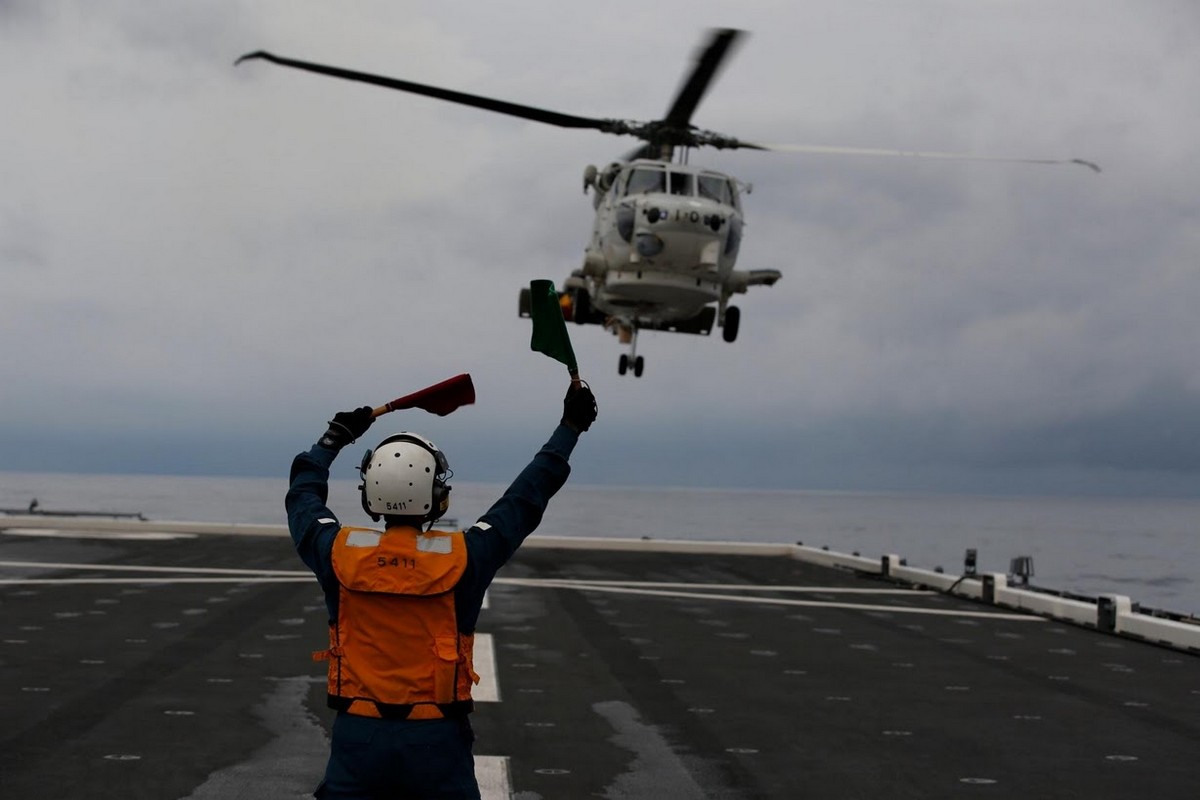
(441, 500)
(362, 487)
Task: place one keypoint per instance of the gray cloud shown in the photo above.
(210, 259)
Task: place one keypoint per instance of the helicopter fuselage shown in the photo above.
(664, 242)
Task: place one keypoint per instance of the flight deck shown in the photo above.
(145, 660)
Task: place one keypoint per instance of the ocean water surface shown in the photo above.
(1146, 548)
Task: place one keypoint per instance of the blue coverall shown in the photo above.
(378, 758)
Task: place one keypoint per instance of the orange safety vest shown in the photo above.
(395, 650)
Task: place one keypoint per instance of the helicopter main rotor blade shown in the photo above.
(707, 65)
(870, 151)
(486, 103)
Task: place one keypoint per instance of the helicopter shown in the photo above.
(666, 234)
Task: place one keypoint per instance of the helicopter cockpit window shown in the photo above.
(715, 188)
(642, 181)
(681, 183)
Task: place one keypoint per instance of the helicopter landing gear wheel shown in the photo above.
(637, 363)
(631, 359)
(729, 330)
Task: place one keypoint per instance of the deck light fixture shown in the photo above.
(1020, 569)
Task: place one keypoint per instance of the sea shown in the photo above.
(1145, 548)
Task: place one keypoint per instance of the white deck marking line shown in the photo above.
(522, 581)
(144, 581)
(741, 587)
(54, 533)
(488, 688)
(492, 774)
(583, 587)
(139, 568)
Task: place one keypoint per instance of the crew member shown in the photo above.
(403, 602)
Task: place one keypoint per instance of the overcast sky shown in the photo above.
(202, 263)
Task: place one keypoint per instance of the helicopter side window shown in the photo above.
(642, 181)
(618, 182)
(681, 183)
(715, 188)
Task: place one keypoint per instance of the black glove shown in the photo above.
(579, 408)
(346, 426)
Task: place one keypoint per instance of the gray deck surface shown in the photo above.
(127, 688)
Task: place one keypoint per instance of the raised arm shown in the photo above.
(312, 525)
(496, 536)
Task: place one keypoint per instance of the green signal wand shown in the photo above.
(549, 327)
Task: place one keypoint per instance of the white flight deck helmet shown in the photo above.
(405, 476)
